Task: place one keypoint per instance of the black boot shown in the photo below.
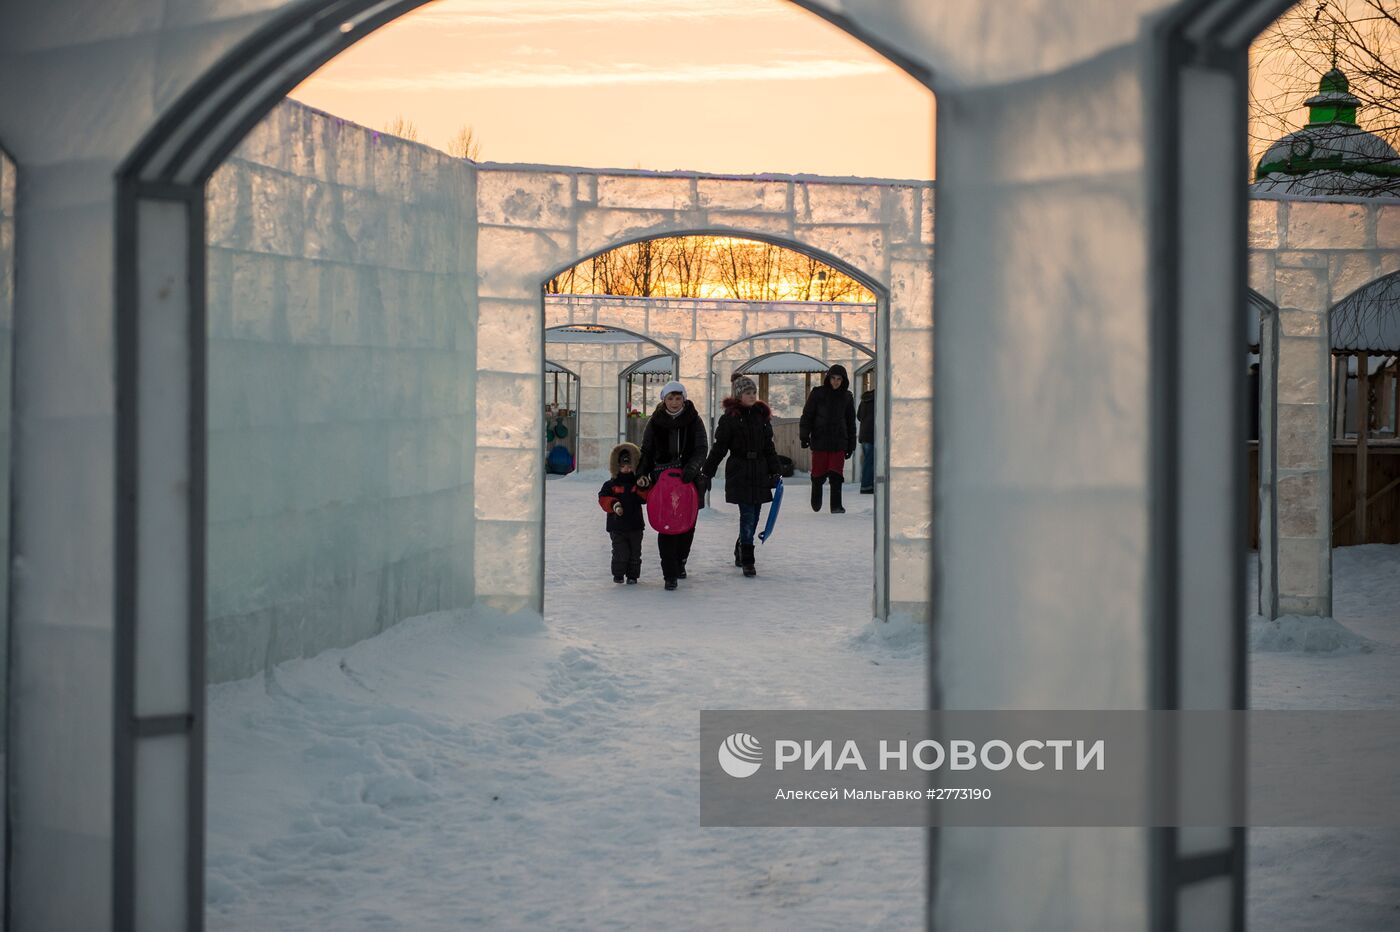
(746, 554)
(836, 508)
(737, 560)
(817, 494)
(671, 584)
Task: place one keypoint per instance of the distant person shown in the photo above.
(828, 426)
(675, 437)
(622, 500)
(866, 415)
(745, 434)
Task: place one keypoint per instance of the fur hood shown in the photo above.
(731, 404)
(613, 457)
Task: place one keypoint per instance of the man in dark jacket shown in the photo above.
(675, 436)
(828, 426)
(745, 434)
(623, 501)
(866, 415)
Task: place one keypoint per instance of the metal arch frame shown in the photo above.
(626, 374)
(641, 337)
(711, 377)
(796, 331)
(632, 369)
(621, 414)
(560, 367)
(868, 367)
(564, 369)
(1376, 282)
(746, 366)
(8, 608)
(1198, 60)
(1356, 297)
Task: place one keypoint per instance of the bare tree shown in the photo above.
(466, 144)
(402, 127)
(709, 267)
(1287, 61)
(688, 265)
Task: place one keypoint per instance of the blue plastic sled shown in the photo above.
(767, 531)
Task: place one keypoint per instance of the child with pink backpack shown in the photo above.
(674, 442)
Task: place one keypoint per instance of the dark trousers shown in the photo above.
(627, 553)
(748, 522)
(675, 550)
(867, 467)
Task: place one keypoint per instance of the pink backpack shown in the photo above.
(672, 504)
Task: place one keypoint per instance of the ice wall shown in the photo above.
(1305, 255)
(535, 221)
(342, 396)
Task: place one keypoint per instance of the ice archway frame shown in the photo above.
(697, 344)
(161, 383)
(1197, 71)
(1198, 86)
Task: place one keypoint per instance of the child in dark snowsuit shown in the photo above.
(622, 500)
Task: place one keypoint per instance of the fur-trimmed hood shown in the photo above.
(731, 404)
(613, 458)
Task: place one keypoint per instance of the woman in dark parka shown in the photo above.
(745, 434)
(675, 436)
(828, 426)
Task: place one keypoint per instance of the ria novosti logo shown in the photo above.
(741, 755)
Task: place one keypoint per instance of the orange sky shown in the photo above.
(726, 86)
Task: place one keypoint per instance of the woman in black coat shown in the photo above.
(828, 426)
(745, 435)
(675, 436)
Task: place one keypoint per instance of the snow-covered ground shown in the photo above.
(1301, 880)
(449, 776)
(517, 773)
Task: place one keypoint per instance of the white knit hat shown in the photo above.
(672, 386)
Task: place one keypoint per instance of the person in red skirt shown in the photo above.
(828, 427)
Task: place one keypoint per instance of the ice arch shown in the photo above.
(1120, 276)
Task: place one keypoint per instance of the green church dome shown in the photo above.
(1331, 154)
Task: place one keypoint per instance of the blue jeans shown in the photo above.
(748, 523)
(867, 465)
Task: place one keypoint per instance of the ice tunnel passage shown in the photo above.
(1184, 66)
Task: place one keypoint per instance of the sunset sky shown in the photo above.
(724, 86)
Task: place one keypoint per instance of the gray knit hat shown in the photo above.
(744, 384)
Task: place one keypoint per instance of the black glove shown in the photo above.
(702, 483)
(804, 444)
(773, 480)
(848, 453)
(689, 474)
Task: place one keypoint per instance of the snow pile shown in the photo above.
(902, 635)
(1304, 633)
